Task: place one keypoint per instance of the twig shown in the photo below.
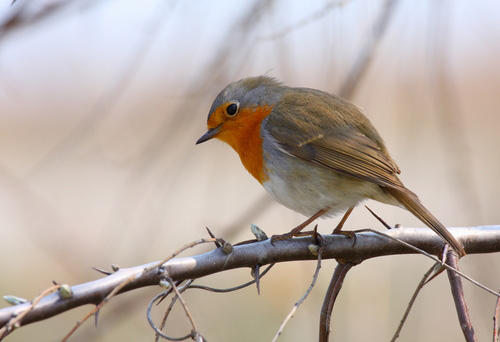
(127, 281)
(152, 324)
(458, 295)
(239, 287)
(304, 296)
(330, 297)
(15, 322)
(194, 334)
(169, 309)
(165, 316)
(412, 300)
(496, 332)
(430, 256)
(187, 286)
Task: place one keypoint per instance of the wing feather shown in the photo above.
(329, 131)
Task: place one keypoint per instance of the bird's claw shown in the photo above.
(285, 236)
(348, 233)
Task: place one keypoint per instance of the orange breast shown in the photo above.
(243, 134)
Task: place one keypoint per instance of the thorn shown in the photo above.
(101, 271)
(217, 244)
(378, 218)
(317, 236)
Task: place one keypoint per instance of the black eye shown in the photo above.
(232, 109)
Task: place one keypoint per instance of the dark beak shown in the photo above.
(208, 135)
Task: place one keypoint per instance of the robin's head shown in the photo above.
(239, 107)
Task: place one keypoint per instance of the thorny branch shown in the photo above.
(496, 331)
(484, 239)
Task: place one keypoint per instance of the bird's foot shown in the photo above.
(348, 233)
(313, 233)
(288, 235)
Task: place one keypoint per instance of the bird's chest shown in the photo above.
(244, 136)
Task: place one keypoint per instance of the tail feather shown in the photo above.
(411, 202)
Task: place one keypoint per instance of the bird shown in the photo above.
(313, 152)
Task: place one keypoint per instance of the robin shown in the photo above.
(314, 152)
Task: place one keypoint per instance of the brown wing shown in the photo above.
(328, 131)
(349, 153)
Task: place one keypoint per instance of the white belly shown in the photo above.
(307, 188)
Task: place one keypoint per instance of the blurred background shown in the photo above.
(101, 103)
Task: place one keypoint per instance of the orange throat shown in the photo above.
(243, 135)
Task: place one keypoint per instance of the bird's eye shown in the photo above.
(232, 109)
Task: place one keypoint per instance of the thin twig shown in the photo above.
(15, 322)
(165, 317)
(195, 332)
(239, 287)
(458, 295)
(170, 290)
(152, 324)
(187, 286)
(412, 300)
(330, 297)
(131, 279)
(430, 256)
(169, 309)
(304, 296)
(496, 332)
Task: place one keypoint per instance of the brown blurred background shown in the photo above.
(101, 103)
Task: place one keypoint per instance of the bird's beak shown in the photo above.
(212, 132)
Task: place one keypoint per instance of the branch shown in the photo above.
(485, 239)
(458, 296)
(330, 297)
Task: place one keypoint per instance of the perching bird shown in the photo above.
(314, 152)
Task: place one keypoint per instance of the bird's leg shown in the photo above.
(296, 231)
(338, 229)
(341, 223)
